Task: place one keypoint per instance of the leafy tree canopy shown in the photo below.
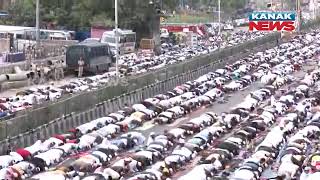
(74, 14)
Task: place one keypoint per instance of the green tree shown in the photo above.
(230, 5)
(79, 13)
(22, 13)
(170, 4)
(198, 4)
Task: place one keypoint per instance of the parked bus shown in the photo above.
(53, 34)
(17, 32)
(127, 40)
(29, 33)
(96, 55)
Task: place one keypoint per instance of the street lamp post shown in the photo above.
(314, 9)
(298, 12)
(155, 11)
(219, 17)
(116, 37)
(151, 10)
(38, 22)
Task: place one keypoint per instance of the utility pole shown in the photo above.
(314, 9)
(219, 16)
(298, 12)
(117, 37)
(38, 22)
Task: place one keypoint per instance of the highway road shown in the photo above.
(235, 99)
(232, 100)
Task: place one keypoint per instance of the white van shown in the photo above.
(228, 27)
(164, 33)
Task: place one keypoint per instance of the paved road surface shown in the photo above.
(235, 99)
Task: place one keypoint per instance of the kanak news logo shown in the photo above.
(272, 21)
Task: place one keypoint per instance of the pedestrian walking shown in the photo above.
(81, 64)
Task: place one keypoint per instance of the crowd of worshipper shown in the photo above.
(291, 144)
(130, 64)
(171, 54)
(290, 110)
(111, 148)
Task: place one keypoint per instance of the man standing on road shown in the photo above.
(33, 74)
(53, 68)
(37, 71)
(41, 72)
(61, 69)
(81, 64)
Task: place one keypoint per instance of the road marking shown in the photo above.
(146, 126)
(243, 89)
(176, 122)
(195, 161)
(184, 170)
